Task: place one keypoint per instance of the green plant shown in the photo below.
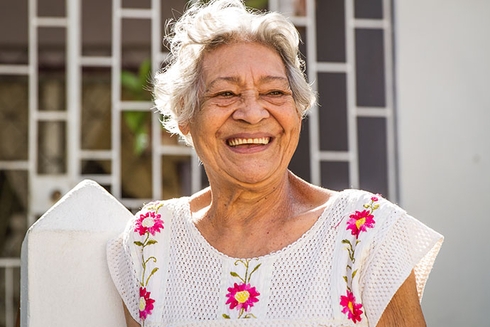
(136, 87)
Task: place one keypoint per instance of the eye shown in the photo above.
(226, 94)
(277, 96)
(275, 93)
(278, 93)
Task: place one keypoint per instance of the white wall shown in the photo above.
(443, 89)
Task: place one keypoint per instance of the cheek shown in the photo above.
(296, 129)
(295, 122)
(209, 121)
(203, 130)
(291, 113)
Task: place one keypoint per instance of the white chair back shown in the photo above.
(65, 279)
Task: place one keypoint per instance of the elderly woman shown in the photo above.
(260, 246)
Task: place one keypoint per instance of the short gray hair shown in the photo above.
(204, 27)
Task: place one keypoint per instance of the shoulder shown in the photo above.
(360, 200)
(308, 195)
(153, 218)
(365, 216)
(200, 200)
(362, 195)
(157, 208)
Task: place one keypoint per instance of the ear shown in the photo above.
(184, 129)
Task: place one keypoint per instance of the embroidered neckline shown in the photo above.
(331, 203)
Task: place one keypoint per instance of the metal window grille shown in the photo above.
(349, 137)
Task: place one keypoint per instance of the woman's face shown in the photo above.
(247, 128)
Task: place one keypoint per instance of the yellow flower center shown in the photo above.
(360, 222)
(142, 304)
(148, 222)
(351, 306)
(242, 296)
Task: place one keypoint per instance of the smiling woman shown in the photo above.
(260, 243)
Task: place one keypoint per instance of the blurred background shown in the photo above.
(404, 110)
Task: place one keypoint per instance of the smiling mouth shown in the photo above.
(255, 141)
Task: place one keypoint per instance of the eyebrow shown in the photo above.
(236, 80)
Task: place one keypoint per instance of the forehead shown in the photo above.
(237, 62)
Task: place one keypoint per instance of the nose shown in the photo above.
(251, 109)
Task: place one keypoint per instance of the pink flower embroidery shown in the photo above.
(360, 221)
(150, 222)
(242, 296)
(351, 308)
(146, 303)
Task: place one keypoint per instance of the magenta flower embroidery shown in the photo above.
(350, 307)
(150, 222)
(360, 221)
(146, 225)
(146, 303)
(242, 296)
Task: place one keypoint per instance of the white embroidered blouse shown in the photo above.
(342, 272)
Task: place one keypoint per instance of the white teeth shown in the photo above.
(260, 140)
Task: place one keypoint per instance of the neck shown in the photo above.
(249, 222)
(243, 206)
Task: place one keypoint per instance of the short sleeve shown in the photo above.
(123, 273)
(399, 245)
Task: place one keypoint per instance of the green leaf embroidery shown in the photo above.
(255, 269)
(249, 315)
(151, 242)
(152, 258)
(151, 274)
